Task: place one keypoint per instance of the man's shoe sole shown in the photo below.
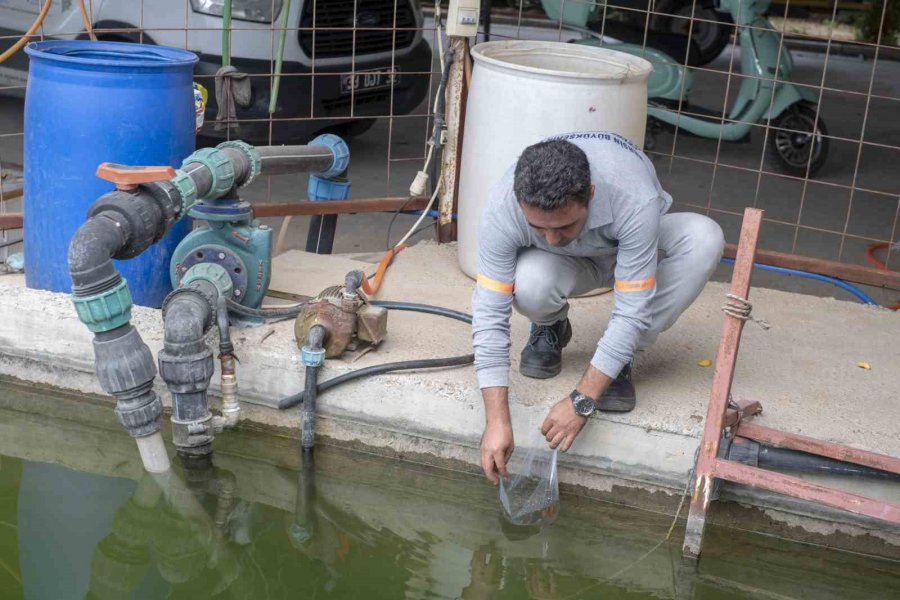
(616, 406)
(538, 372)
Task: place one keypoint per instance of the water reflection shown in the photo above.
(349, 526)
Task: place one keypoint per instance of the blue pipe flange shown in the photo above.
(312, 358)
(107, 310)
(220, 168)
(340, 151)
(252, 157)
(213, 273)
(188, 190)
(320, 188)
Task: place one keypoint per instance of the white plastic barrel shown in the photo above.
(524, 91)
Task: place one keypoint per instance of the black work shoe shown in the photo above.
(542, 355)
(620, 395)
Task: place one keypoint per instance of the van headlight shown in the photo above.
(259, 11)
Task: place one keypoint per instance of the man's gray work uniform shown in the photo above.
(657, 263)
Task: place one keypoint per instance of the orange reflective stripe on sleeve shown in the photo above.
(493, 285)
(638, 285)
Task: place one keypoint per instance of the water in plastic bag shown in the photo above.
(530, 494)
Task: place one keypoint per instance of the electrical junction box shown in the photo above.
(462, 18)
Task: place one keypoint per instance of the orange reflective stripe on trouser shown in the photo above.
(638, 285)
(494, 285)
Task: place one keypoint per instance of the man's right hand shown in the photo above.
(496, 448)
(497, 442)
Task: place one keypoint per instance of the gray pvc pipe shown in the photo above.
(279, 160)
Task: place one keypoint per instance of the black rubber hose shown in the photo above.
(424, 308)
(408, 365)
(272, 313)
(315, 339)
(431, 363)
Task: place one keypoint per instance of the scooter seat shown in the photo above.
(677, 46)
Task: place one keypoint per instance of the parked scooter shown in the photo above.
(798, 140)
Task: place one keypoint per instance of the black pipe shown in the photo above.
(321, 232)
(203, 178)
(122, 224)
(315, 340)
(432, 363)
(303, 528)
(186, 364)
(751, 452)
(92, 247)
(280, 160)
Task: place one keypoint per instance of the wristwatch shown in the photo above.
(584, 405)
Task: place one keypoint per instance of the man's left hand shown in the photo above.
(562, 424)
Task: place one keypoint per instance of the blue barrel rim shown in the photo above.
(88, 53)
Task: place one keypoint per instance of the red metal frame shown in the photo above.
(719, 416)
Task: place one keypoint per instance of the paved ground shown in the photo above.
(385, 160)
(804, 371)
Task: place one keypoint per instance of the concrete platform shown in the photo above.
(804, 371)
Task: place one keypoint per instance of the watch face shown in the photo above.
(584, 406)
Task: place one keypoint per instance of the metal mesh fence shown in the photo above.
(368, 70)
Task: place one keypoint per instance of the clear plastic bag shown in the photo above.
(530, 494)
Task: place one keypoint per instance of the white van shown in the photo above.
(379, 41)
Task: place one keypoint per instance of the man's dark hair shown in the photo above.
(550, 174)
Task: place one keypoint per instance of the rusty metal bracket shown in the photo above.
(722, 413)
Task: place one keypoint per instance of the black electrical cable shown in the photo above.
(9, 243)
(408, 365)
(393, 219)
(271, 313)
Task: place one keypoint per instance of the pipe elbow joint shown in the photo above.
(340, 152)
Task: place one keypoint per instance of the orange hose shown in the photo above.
(386, 261)
(31, 30)
(874, 261)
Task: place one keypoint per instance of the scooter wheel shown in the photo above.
(798, 141)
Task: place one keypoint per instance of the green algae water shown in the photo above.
(80, 519)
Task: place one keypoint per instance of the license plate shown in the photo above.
(369, 80)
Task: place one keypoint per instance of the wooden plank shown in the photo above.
(451, 156)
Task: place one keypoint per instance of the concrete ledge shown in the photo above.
(803, 371)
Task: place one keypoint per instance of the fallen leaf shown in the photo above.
(704, 363)
(864, 365)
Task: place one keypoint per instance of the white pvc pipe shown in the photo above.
(153, 453)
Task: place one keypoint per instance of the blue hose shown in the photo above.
(865, 298)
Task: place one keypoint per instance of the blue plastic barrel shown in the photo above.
(93, 102)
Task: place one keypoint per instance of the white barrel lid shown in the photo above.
(561, 59)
